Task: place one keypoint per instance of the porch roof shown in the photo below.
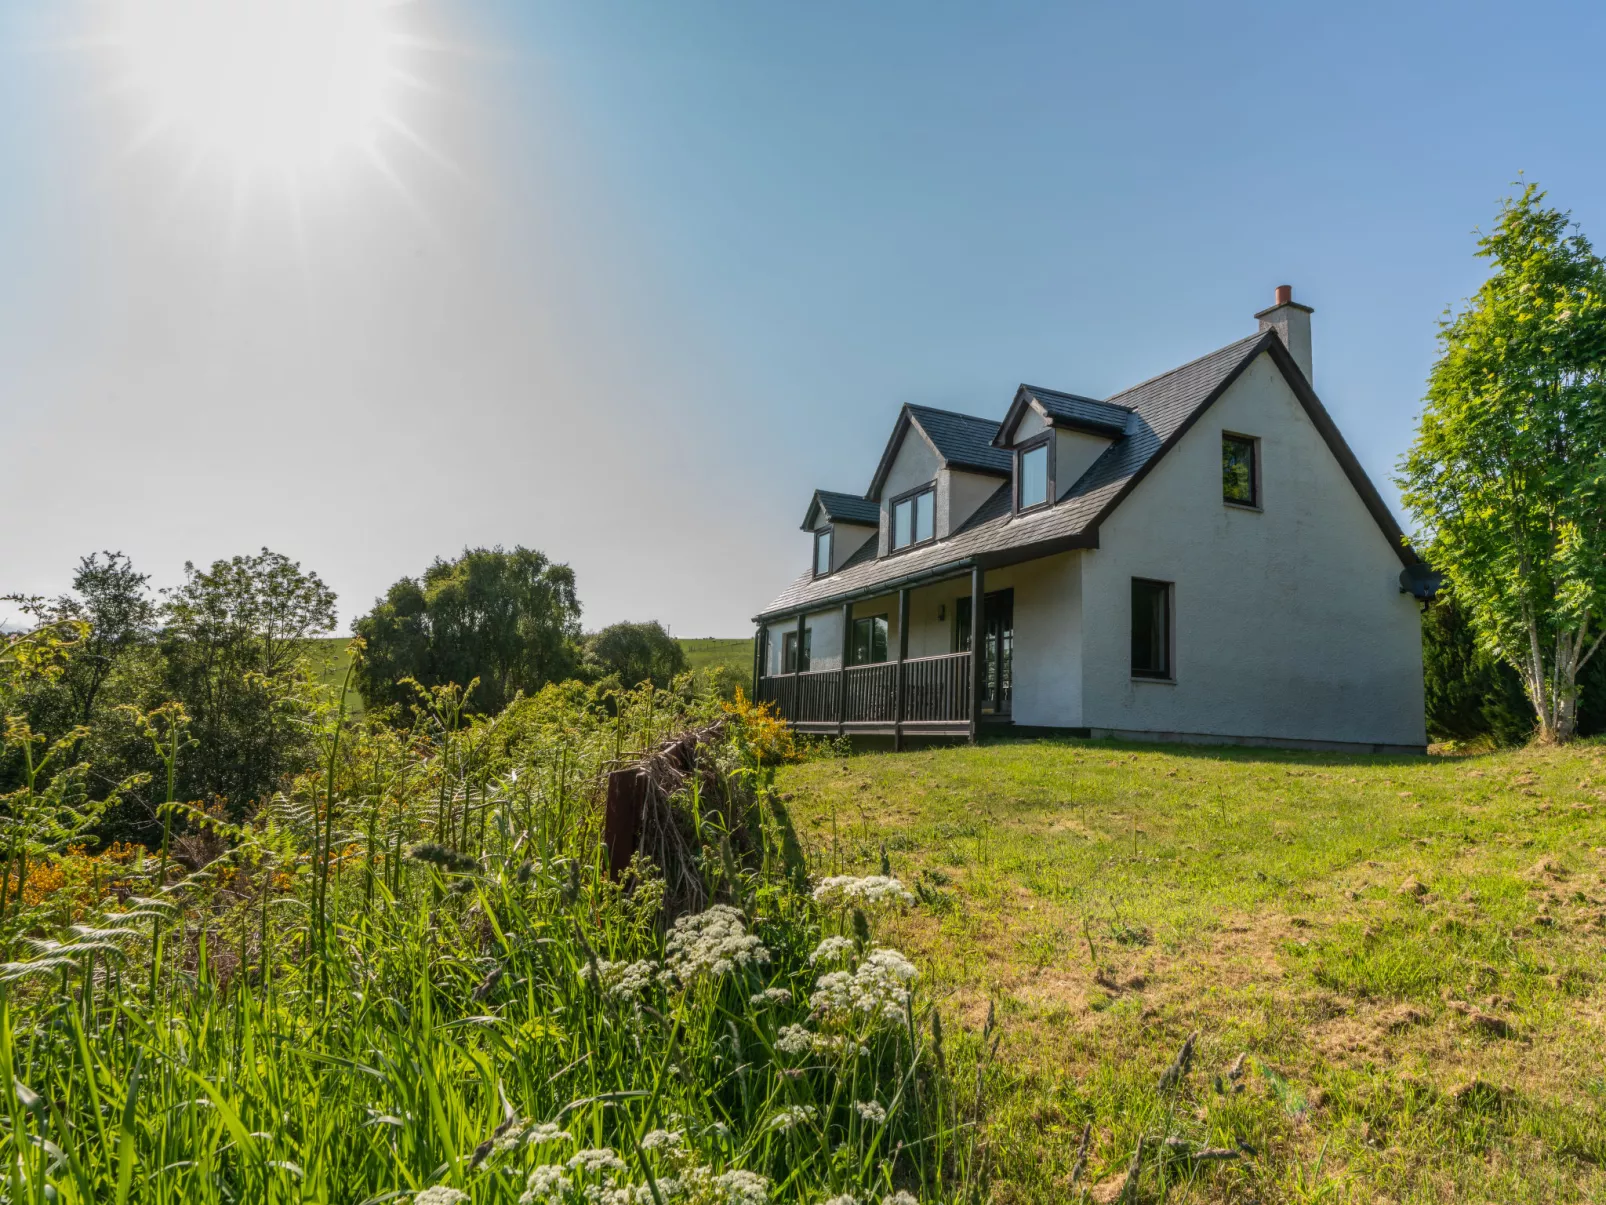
(1164, 408)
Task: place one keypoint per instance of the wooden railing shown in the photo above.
(936, 693)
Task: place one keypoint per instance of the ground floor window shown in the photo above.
(1151, 628)
(869, 639)
(792, 662)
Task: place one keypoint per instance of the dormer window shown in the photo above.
(914, 518)
(822, 552)
(1034, 473)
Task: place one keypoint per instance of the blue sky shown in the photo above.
(647, 274)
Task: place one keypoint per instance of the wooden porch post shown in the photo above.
(758, 658)
(903, 655)
(797, 667)
(842, 674)
(978, 659)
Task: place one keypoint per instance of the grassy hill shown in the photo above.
(708, 651)
(330, 658)
(1406, 951)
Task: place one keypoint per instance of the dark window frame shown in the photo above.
(1169, 639)
(828, 533)
(1045, 440)
(893, 547)
(789, 659)
(1253, 441)
(853, 639)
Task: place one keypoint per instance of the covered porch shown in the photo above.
(868, 683)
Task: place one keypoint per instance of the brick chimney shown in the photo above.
(1292, 321)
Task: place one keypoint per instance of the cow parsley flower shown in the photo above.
(596, 1159)
(546, 1131)
(546, 1184)
(792, 1116)
(878, 988)
(711, 943)
(743, 1187)
(846, 1198)
(793, 1040)
(667, 1139)
(872, 1111)
(624, 981)
(440, 1194)
(770, 995)
(842, 890)
(900, 1198)
(831, 950)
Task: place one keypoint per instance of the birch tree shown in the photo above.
(1508, 470)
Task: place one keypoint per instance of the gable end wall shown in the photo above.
(1288, 621)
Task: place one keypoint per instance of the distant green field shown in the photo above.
(708, 651)
(329, 659)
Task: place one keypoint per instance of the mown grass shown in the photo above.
(1407, 949)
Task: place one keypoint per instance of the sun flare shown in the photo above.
(283, 86)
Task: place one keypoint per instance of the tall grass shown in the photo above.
(410, 978)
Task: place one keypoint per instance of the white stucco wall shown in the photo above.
(825, 641)
(1074, 451)
(915, 464)
(958, 495)
(1030, 424)
(1288, 622)
(847, 540)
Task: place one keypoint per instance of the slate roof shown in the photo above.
(843, 508)
(1073, 410)
(1163, 408)
(963, 440)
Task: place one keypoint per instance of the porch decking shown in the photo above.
(922, 696)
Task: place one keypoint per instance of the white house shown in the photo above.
(1197, 558)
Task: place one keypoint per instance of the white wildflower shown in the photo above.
(770, 995)
(668, 1139)
(846, 1198)
(832, 949)
(900, 1198)
(439, 1194)
(547, 1131)
(793, 1115)
(743, 1188)
(622, 980)
(871, 1110)
(842, 890)
(793, 1040)
(712, 943)
(545, 1184)
(879, 987)
(596, 1159)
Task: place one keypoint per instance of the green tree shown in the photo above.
(636, 653)
(1508, 471)
(234, 647)
(112, 598)
(509, 619)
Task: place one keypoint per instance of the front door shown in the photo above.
(998, 645)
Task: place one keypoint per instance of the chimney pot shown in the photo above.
(1285, 294)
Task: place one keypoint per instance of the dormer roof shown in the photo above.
(1068, 410)
(841, 508)
(962, 441)
(1163, 409)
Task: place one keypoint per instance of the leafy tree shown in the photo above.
(113, 600)
(1508, 471)
(1469, 692)
(509, 619)
(233, 649)
(637, 653)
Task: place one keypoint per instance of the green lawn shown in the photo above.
(708, 651)
(1408, 950)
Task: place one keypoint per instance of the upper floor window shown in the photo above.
(869, 640)
(822, 552)
(914, 518)
(1240, 470)
(1032, 473)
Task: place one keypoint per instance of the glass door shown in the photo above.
(998, 645)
